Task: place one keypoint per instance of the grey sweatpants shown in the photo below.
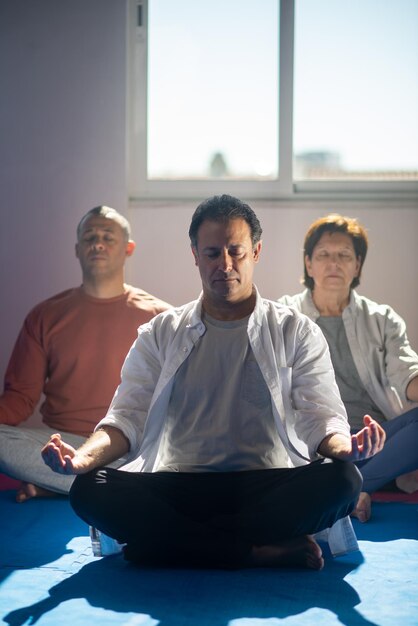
(20, 456)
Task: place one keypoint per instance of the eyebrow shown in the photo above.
(233, 246)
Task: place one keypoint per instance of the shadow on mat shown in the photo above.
(189, 597)
(35, 533)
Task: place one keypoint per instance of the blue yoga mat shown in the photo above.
(49, 577)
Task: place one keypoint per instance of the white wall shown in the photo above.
(63, 151)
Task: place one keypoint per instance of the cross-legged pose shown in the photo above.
(376, 369)
(238, 442)
(70, 350)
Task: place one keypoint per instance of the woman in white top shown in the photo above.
(376, 369)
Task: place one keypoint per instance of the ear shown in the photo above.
(257, 251)
(130, 247)
(195, 255)
(358, 266)
(308, 265)
(76, 251)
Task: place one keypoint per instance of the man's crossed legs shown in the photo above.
(219, 519)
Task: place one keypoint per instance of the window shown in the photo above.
(212, 105)
(356, 90)
(273, 99)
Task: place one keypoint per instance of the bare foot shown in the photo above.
(299, 552)
(28, 491)
(363, 508)
(408, 482)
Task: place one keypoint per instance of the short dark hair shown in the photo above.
(109, 213)
(335, 223)
(222, 209)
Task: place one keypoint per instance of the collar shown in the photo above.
(312, 312)
(195, 318)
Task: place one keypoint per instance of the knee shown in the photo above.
(10, 456)
(348, 480)
(414, 419)
(89, 493)
(405, 426)
(413, 426)
(6, 434)
(410, 418)
(81, 494)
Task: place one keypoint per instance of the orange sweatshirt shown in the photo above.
(72, 347)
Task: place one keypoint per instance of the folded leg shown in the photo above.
(213, 519)
(399, 455)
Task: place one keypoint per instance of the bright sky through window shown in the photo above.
(213, 89)
(356, 87)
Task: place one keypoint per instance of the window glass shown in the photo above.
(356, 89)
(212, 89)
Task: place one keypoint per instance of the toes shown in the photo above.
(363, 508)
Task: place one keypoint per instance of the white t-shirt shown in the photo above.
(220, 416)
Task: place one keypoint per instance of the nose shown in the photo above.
(225, 262)
(334, 258)
(97, 244)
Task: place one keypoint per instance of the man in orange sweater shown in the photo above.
(71, 349)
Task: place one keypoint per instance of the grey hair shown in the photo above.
(109, 213)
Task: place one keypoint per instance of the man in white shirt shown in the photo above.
(238, 443)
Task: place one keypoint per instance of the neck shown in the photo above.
(229, 311)
(330, 304)
(103, 288)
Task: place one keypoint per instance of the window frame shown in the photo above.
(283, 189)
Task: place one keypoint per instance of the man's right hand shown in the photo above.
(104, 446)
(63, 458)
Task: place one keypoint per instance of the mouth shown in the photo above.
(225, 280)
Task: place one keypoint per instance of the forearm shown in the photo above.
(412, 390)
(24, 378)
(16, 407)
(103, 447)
(335, 446)
(364, 444)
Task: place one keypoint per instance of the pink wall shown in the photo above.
(163, 261)
(63, 150)
(62, 112)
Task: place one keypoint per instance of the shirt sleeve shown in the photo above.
(25, 375)
(318, 408)
(401, 361)
(130, 405)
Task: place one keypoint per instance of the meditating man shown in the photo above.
(71, 348)
(211, 398)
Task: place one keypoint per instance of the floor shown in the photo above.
(49, 576)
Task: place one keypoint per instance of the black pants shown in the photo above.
(213, 519)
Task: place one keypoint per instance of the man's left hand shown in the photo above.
(368, 441)
(363, 445)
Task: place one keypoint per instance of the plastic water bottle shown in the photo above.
(103, 545)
